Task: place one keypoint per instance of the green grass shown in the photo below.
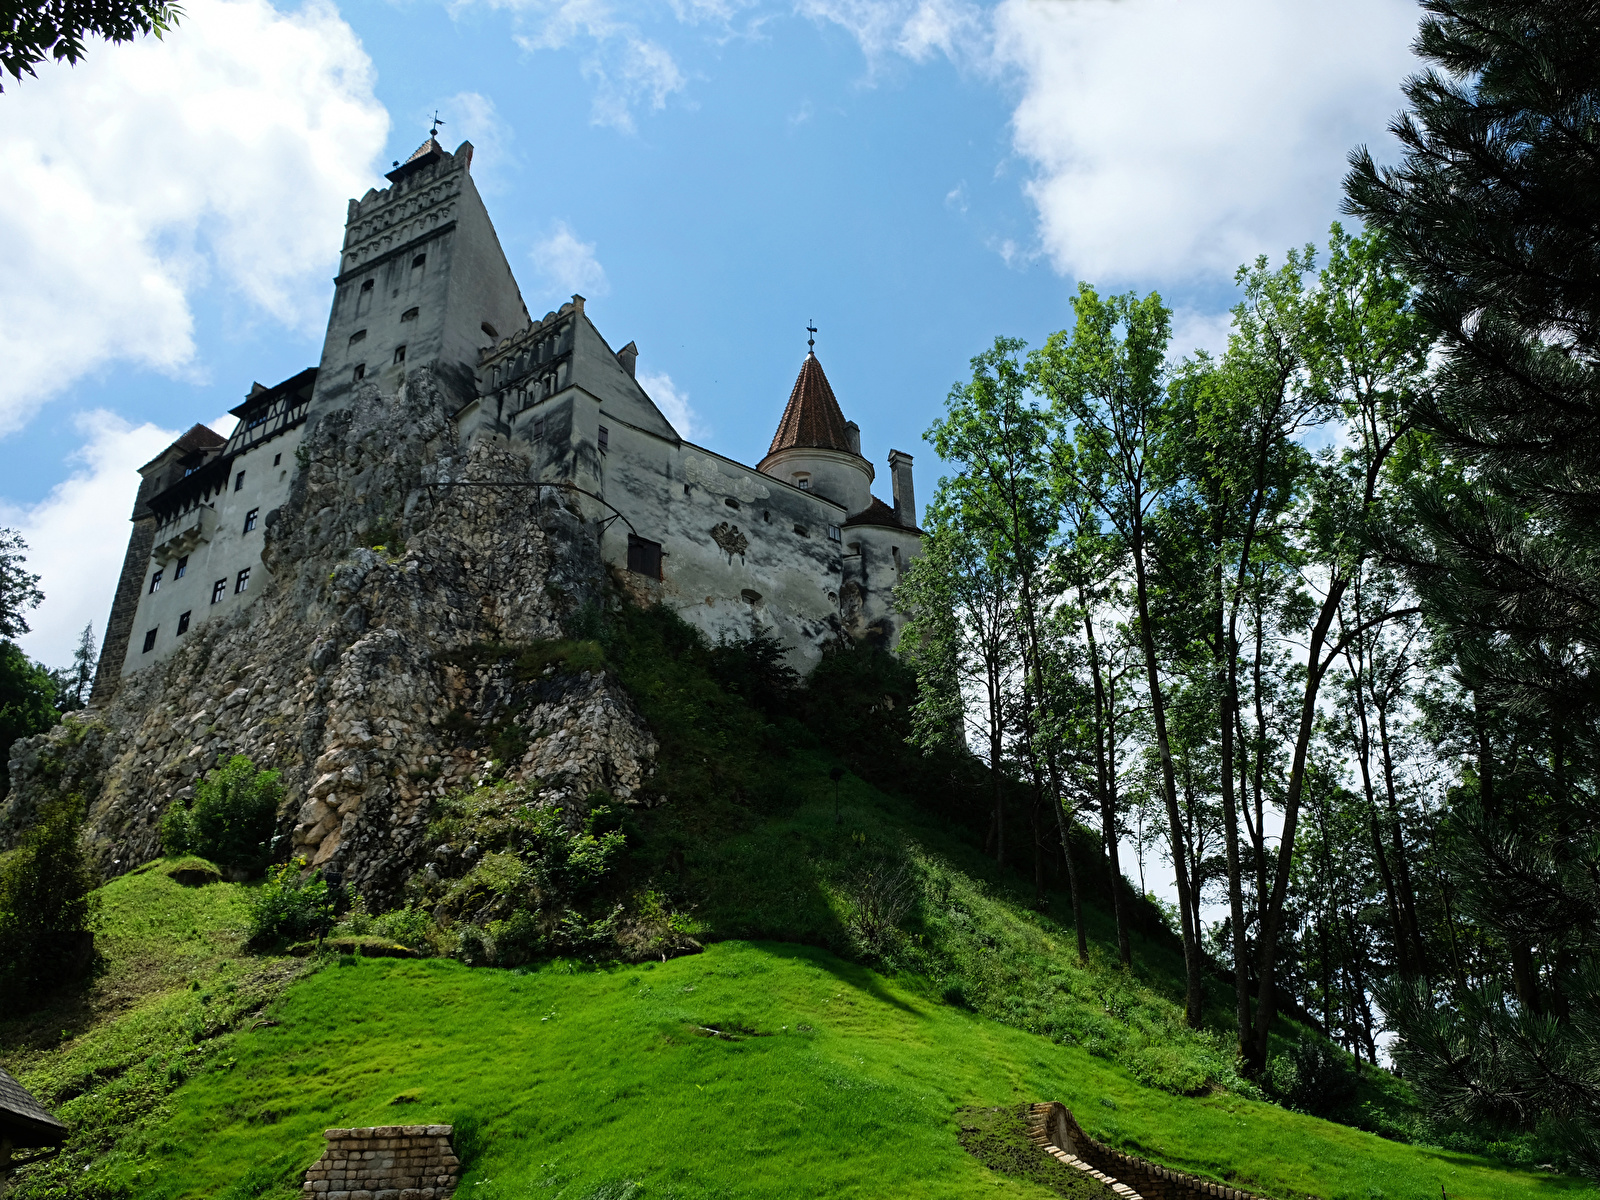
(173, 985)
(841, 1083)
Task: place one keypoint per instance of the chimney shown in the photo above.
(854, 431)
(627, 356)
(905, 500)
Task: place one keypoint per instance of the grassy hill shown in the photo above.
(824, 1043)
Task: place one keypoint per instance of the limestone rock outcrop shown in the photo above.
(397, 553)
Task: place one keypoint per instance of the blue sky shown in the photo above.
(916, 176)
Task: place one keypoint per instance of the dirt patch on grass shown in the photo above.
(998, 1138)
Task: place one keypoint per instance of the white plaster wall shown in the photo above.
(843, 478)
(268, 468)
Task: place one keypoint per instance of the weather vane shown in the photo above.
(812, 340)
(434, 132)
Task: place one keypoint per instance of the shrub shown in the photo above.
(1311, 1077)
(411, 927)
(46, 908)
(287, 908)
(27, 702)
(231, 819)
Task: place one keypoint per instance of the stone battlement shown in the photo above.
(385, 1162)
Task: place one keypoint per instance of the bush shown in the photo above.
(231, 820)
(289, 909)
(411, 927)
(27, 702)
(1311, 1077)
(46, 908)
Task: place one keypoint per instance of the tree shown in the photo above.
(231, 819)
(1108, 381)
(31, 32)
(960, 639)
(27, 703)
(19, 591)
(74, 683)
(46, 907)
(1494, 211)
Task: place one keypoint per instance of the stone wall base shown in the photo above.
(385, 1162)
(1055, 1131)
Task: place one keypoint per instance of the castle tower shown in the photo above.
(815, 448)
(422, 279)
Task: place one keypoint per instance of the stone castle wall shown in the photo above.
(385, 1162)
(345, 673)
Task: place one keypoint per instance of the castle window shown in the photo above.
(644, 558)
(183, 567)
(686, 489)
(803, 482)
(802, 531)
(219, 589)
(155, 583)
(490, 330)
(250, 519)
(276, 459)
(410, 314)
(183, 624)
(238, 482)
(399, 354)
(730, 502)
(538, 429)
(833, 533)
(242, 582)
(360, 373)
(766, 516)
(418, 262)
(605, 439)
(364, 298)
(750, 597)
(149, 641)
(359, 335)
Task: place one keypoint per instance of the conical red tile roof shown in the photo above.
(812, 417)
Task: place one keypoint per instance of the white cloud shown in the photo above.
(1194, 330)
(225, 150)
(1177, 140)
(569, 264)
(672, 401)
(627, 68)
(918, 29)
(78, 534)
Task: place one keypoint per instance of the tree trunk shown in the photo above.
(1193, 993)
(1272, 914)
(1106, 784)
(1230, 821)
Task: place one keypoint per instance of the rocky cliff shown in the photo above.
(359, 672)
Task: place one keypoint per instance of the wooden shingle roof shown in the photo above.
(812, 418)
(24, 1120)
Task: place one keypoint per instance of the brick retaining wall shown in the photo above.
(1053, 1128)
(386, 1162)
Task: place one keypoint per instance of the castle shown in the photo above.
(797, 545)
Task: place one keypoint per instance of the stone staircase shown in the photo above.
(1053, 1129)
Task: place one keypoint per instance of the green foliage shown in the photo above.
(1311, 1076)
(46, 908)
(520, 877)
(288, 908)
(231, 818)
(19, 590)
(28, 696)
(37, 30)
(163, 1008)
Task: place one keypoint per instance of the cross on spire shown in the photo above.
(812, 340)
(434, 132)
